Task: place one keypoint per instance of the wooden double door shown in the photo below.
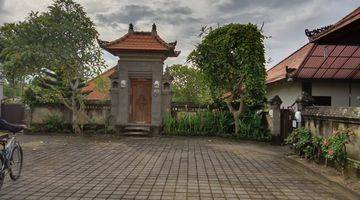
(140, 101)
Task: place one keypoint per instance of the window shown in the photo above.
(322, 100)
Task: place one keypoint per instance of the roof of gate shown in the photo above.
(140, 41)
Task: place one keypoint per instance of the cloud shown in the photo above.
(137, 13)
(234, 5)
(2, 2)
(2, 12)
(181, 20)
(129, 13)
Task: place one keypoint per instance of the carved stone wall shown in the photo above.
(323, 120)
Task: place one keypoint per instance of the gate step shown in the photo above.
(138, 133)
(137, 130)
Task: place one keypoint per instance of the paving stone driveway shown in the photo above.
(62, 167)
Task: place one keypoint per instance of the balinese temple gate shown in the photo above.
(140, 93)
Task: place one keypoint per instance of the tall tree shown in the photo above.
(232, 59)
(189, 85)
(61, 40)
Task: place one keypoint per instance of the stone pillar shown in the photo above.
(275, 120)
(114, 96)
(167, 93)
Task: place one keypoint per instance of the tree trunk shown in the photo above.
(236, 121)
(236, 114)
(75, 115)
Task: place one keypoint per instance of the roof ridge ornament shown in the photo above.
(153, 29)
(131, 28)
(311, 33)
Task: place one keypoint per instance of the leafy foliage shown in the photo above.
(61, 40)
(14, 52)
(198, 124)
(53, 123)
(11, 91)
(301, 139)
(232, 60)
(189, 85)
(45, 90)
(102, 84)
(331, 148)
(215, 123)
(232, 56)
(252, 128)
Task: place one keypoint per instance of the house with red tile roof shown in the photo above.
(327, 68)
(92, 90)
(139, 90)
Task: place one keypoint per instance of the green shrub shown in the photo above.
(219, 123)
(317, 152)
(332, 148)
(207, 123)
(301, 139)
(252, 128)
(54, 123)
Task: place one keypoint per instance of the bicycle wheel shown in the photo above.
(16, 160)
(2, 173)
(2, 177)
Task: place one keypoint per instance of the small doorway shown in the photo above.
(286, 117)
(140, 101)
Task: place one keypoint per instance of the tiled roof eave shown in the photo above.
(109, 45)
(169, 53)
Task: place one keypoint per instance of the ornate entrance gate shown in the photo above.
(140, 101)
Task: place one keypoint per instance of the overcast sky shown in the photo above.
(181, 20)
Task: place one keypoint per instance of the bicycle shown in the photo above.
(11, 154)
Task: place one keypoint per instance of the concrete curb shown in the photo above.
(352, 194)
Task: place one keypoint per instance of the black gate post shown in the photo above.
(13, 113)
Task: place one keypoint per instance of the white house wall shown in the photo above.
(287, 91)
(339, 92)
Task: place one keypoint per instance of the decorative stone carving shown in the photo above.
(305, 100)
(314, 32)
(275, 101)
(115, 84)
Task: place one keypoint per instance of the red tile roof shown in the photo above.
(331, 62)
(278, 72)
(140, 41)
(320, 60)
(93, 93)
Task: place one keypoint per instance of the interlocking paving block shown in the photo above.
(63, 167)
